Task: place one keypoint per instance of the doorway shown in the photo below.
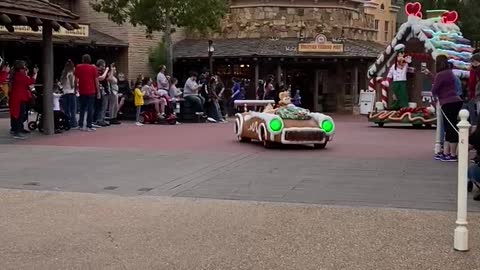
(320, 91)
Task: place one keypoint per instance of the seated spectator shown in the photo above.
(151, 97)
(174, 92)
(191, 94)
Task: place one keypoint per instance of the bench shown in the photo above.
(257, 104)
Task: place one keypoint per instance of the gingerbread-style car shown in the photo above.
(315, 129)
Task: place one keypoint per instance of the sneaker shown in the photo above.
(449, 158)
(178, 123)
(199, 113)
(91, 129)
(211, 120)
(161, 116)
(96, 126)
(138, 124)
(470, 186)
(19, 136)
(439, 156)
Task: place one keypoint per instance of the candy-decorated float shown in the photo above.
(397, 77)
(285, 124)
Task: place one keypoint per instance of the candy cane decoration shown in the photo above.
(371, 85)
(385, 85)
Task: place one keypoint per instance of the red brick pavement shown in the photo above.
(355, 138)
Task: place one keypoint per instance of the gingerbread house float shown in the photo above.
(423, 40)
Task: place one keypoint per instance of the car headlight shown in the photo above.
(328, 126)
(275, 125)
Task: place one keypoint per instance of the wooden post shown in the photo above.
(257, 75)
(279, 74)
(355, 85)
(47, 71)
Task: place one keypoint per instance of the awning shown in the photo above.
(194, 48)
(83, 36)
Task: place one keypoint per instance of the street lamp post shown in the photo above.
(211, 49)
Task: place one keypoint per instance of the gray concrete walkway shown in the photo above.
(57, 230)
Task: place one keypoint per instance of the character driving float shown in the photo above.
(398, 73)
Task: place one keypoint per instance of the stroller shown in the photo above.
(60, 117)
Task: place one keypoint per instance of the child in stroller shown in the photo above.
(60, 119)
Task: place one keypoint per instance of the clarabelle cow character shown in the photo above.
(398, 74)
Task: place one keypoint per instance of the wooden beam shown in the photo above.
(38, 21)
(10, 28)
(5, 20)
(47, 71)
(55, 26)
(67, 26)
(22, 20)
(75, 25)
(32, 23)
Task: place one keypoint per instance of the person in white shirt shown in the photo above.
(190, 94)
(398, 73)
(69, 93)
(162, 80)
(57, 112)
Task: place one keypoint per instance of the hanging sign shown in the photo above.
(83, 31)
(320, 48)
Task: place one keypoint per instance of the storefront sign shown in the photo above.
(83, 31)
(320, 48)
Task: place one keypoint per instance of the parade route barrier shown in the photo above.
(460, 242)
(255, 103)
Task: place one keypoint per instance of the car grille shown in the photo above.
(310, 135)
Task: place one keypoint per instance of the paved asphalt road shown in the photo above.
(363, 166)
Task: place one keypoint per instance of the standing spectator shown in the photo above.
(162, 80)
(124, 92)
(297, 99)
(190, 93)
(69, 94)
(101, 102)
(214, 110)
(260, 93)
(138, 100)
(88, 89)
(474, 82)
(19, 96)
(444, 89)
(113, 95)
(269, 89)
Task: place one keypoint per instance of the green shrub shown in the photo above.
(157, 56)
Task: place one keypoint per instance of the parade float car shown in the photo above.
(273, 128)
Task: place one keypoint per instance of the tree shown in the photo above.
(164, 16)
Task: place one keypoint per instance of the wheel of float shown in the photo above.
(141, 119)
(32, 125)
(428, 126)
(380, 124)
(417, 125)
(320, 145)
(266, 143)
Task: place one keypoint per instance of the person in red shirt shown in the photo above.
(472, 84)
(87, 87)
(19, 96)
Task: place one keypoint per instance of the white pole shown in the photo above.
(438, 143)
(461, 231)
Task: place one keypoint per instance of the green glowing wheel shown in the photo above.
(328, 126)
(276, 125)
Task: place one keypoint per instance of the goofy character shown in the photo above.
(398, 74)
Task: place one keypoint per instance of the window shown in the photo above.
(386, 30)
(382, 6)
(377, 22)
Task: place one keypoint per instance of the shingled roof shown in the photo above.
(191, 48)
(41, 9)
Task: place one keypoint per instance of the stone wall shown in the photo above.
(283, 22)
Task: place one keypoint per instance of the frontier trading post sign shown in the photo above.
(321, 45)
